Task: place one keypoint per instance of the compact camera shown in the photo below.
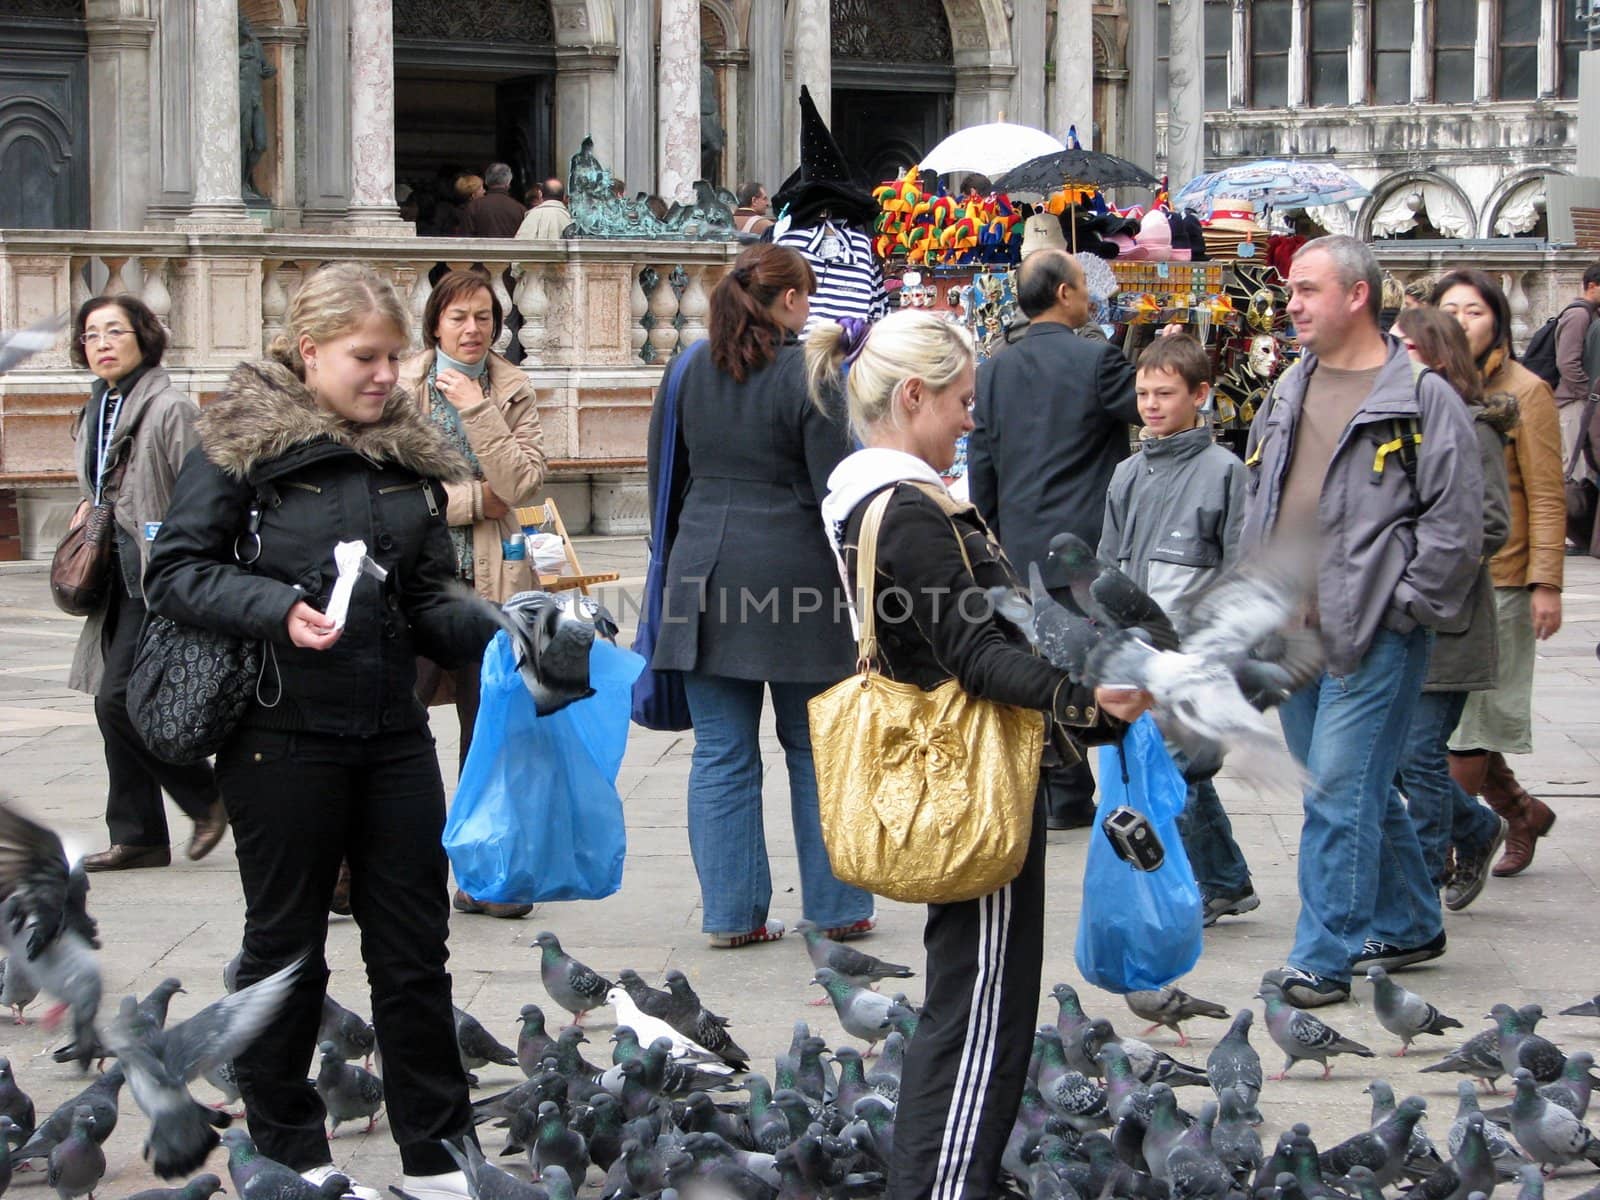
(1134, 839)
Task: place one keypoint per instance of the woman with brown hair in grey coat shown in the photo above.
(132, 436)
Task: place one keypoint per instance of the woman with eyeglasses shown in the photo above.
(130, 439)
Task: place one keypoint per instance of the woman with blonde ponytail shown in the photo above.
(751, 597)
(333, 759)
(909, 392)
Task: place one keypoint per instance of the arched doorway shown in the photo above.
(474, 84)
(44, 115)
(894, 81)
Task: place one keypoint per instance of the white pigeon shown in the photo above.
(650, 1028)
(19, 346)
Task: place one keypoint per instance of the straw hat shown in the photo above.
(1042, 232)
(1234, 214)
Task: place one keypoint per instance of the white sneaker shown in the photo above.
(452, 1185)
(353, 1190)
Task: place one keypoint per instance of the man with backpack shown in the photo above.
(1565, 353)
(1381, 467)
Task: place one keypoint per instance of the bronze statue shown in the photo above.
(598, 212)
(253, 68)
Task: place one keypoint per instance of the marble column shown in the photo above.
(327, 127)
(678, 100)
(1238, 56)
(1298, 86)
(173, 188)
(1421, 56)
(763, 141)
(1139, 143)
(639, 95)
(215, 89)
(1186, 93)
(1549, 49)
(813, 68)
(1360, 52)
(1483, 53)
(119, 119)
(1072, 93)
(372, 200)
(1028, 51)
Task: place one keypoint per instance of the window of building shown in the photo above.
(1219, 37)
(1455, 33)
(1391, 51)
(1329, 65)
(1574, 41)
(1269, 53)
(1519, 52)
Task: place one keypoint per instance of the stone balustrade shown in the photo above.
(596, 321)
(1538, 279)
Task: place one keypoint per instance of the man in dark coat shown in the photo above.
(1051, 420)
(496, 213)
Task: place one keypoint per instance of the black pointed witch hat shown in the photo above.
(823, 183)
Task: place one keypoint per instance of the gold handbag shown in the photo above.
(925, 797)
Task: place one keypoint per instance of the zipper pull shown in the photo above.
(427, 494)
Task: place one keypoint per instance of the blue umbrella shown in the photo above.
(1276, 182)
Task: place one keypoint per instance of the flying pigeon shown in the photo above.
(550, 638)
(19, 346)
(1301, 1035)
(44, 920)
(1168, 1007)
(572, 985)
(1403, 1013)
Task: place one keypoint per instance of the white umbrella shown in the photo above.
(988, 149)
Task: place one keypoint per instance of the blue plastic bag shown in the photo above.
(537, 815)
(1139, 930)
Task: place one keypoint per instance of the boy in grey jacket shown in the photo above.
(1173, 516)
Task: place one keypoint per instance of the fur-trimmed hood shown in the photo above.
(1500, 411)
(265, 411)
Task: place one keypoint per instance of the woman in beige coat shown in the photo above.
(487, 409)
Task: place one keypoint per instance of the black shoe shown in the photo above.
(128, 858)
(1472, 870)
(1069, 818)
(1305, 990)
(1395, 958)
(1231, 906)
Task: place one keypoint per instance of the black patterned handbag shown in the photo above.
(190, 687)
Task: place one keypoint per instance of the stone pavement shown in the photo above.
(1533, 938)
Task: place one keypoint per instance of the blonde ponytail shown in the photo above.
(909, 344)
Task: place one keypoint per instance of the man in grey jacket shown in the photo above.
(1381, 466)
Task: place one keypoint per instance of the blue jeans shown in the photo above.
(726, 834)
(1219, 865)
(1361, 869)
(1443, 814)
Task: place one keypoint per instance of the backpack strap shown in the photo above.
(1405, 436)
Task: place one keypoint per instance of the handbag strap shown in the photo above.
(667, 451)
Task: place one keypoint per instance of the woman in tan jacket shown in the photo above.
(1527, 571)
(487, 409)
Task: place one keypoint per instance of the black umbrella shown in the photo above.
(1049, 173)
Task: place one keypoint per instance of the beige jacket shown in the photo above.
(545, 222)
(1535, 550)
(504, 433)
(162, 423)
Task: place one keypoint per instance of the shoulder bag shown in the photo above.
(82, 568)
(659, 699)
(190, 687)
(925, 797)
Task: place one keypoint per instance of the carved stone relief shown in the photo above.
(481, 21)
(908, 31)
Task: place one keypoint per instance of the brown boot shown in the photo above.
(1470, 770)
(1529, 818)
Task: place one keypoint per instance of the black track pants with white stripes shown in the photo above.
(964, 1070)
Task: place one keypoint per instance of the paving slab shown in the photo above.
(1533, 938)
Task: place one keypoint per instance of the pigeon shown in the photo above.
(77, 1163)
(1234, 1063)
(556, 1145)
(885, 1074)
(1589, 1008)
(694, 1020)
(1301, 1035)
(161, 1064)
(1067, 1092)
(1549, 1134)
(1403, 1013)
(1235, 1140)
(846, 960)
(352, 1037)
(1421, 1157)
(651, 1001)
(44, 921)
(477, 1046)
(1149, 1064)
(201, 1187)
(644, 1026)
(19, 346)
(551, 637)
(1381, 1149)
(533, 1043)
(1479, 1055)
(1521, 1047)
(348, 1092)
(1070, 1020)
(572, 985)
(1508, 1160)
(15, 1104)
(863, 1014)
(18, 987)
(153, 1008)
(257, 1177)
(100, 1097)
(1471, 1172)
(225, 1079)
(1170, 1006)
